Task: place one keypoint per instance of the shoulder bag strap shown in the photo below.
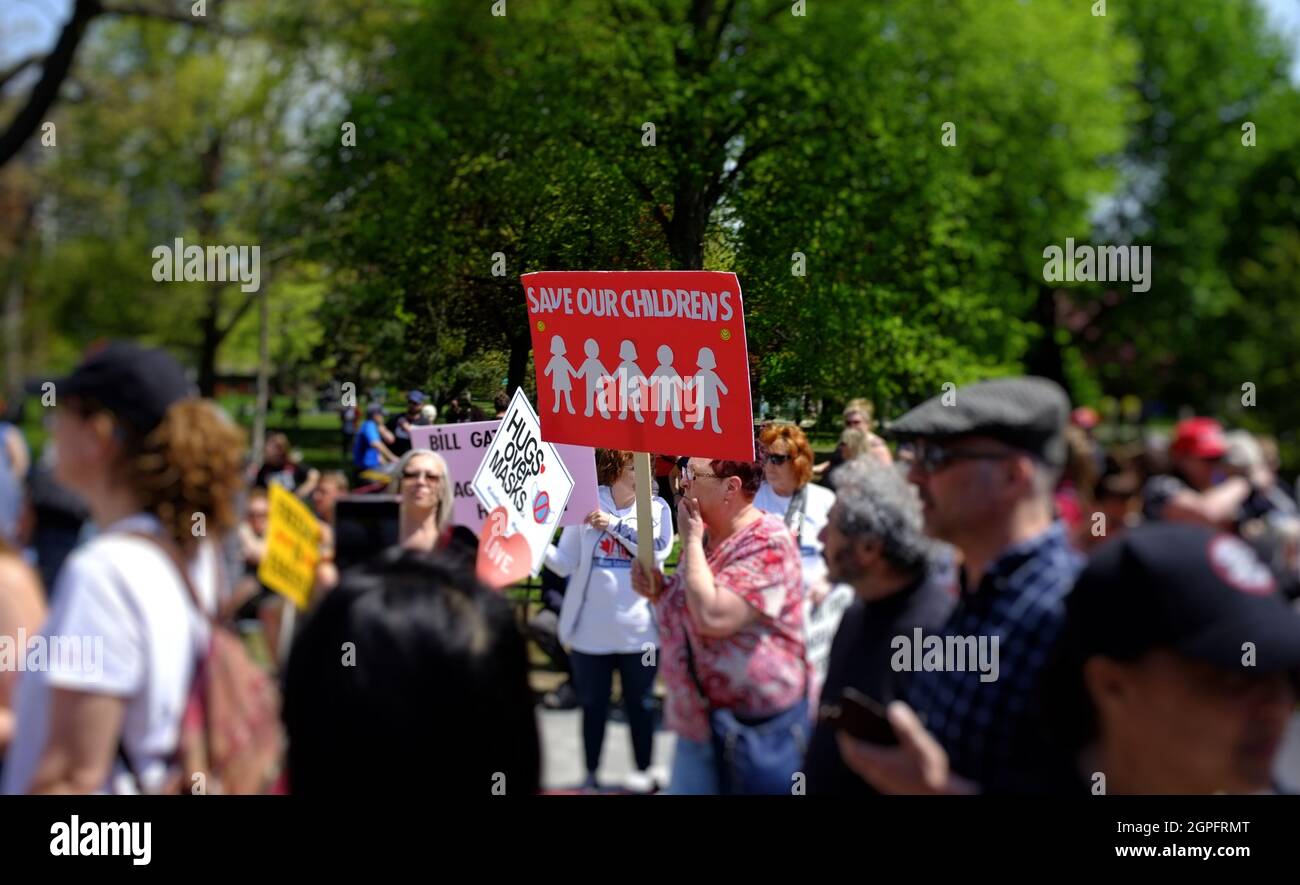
(690, 667)
(794, 514)
(173, 555)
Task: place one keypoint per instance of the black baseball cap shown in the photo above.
(1190, 589)
(137, 384)
(1028, 413)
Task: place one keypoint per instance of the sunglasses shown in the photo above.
(776, 460)
(933, 458)
(427, 474)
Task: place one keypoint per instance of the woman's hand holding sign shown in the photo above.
(647, 583)
(599, 519)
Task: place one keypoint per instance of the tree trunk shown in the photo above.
(210, 322)
(521, 345)
(685, 231)
(263, 375)
(1044, 357)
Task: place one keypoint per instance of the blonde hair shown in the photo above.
(446, 491)
(854, 442)
(865, 408)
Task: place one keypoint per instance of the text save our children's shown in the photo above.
(692, 304)
(642, 361)
(518, 462)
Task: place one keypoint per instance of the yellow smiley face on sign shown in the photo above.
(726, 334)
(541, 326)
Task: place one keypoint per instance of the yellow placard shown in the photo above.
(292, 547)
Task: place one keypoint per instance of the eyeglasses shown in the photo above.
(426, 474)
(775, 460)
(689, 474)
(931, 458)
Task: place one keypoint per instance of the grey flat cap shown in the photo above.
(1029, 413)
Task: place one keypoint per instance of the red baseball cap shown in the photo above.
(1085, 417)
(1198, 437)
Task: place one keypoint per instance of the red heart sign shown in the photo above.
(501, 560)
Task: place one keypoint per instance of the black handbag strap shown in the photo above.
(690, 667)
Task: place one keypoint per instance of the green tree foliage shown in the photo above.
(1216, 212)
(772, 133)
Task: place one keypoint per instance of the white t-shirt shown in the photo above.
(816, 511)
(120, 602)
(612, 618)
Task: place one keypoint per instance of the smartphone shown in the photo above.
(861, 716)
(364, 526)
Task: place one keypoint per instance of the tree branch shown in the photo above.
(250, 299)
(58, 63)
(46, 90)
(19, 67)
(723, 21)
(641, 187)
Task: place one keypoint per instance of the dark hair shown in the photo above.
(501, 401)
(410, 677)
(750, 474)
(609, 464)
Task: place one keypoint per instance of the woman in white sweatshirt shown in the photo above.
(603, 622)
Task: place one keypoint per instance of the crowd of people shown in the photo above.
(1016, 607)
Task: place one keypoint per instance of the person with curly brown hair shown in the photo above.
(160, 471)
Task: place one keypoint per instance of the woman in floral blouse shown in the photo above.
(735, 604)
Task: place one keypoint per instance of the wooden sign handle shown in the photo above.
(645, 530)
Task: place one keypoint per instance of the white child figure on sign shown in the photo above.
(561, 371)
(707, 386)
(596, 376)
(631, 381)
(666, 388)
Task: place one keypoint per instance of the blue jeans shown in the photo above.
(694, 773)
(593, 678)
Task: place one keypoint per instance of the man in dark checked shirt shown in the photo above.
(987, 461)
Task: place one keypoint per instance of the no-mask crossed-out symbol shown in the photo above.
(501, 561)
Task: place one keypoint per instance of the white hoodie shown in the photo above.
(601, 613)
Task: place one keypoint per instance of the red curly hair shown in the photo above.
(801, 453)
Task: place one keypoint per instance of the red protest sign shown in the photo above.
(649, 361)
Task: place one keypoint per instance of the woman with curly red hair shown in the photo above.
(160, 471)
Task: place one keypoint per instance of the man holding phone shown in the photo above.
(873, 540)
(987, 460)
